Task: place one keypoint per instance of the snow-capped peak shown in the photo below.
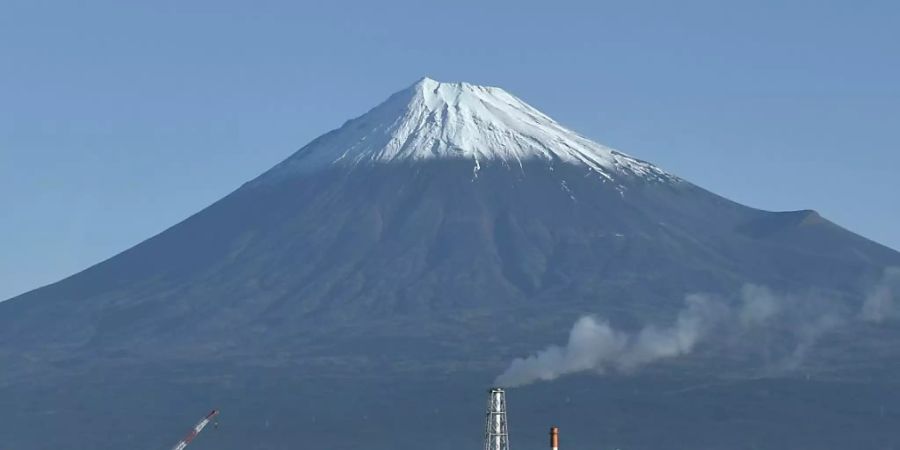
(434, 120)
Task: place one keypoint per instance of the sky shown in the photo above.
(120, 119)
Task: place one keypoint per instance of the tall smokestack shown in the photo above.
(554, 438)
(496, 435)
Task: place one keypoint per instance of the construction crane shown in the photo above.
(196, 430)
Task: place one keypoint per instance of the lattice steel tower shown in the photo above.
(496, 434)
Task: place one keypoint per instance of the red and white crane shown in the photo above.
(196, 430)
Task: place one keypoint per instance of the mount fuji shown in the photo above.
(363, 293)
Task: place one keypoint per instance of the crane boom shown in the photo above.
(196, 430)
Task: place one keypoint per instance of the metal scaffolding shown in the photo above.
(496, 434)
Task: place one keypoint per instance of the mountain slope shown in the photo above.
(413, 251)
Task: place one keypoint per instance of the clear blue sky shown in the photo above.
(119, 119)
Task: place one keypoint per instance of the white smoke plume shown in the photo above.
(594, 345)
(883, 302)
(758, 305)
(807, 334)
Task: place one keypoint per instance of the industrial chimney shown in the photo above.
(496, 434)
(554, 438)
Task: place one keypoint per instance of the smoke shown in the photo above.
(882, 302)
(807, 334)
(758, 305)
(594, 345)
(693, 323)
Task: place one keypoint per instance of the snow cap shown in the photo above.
(434, 120)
